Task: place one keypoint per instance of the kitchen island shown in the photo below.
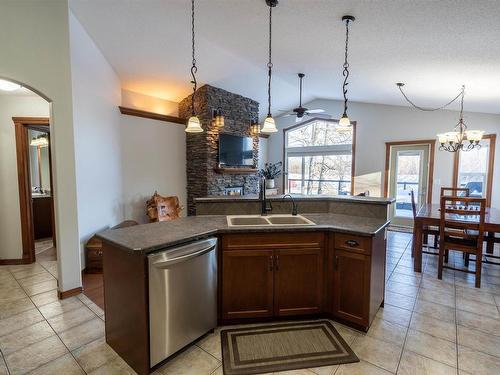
(334, 268)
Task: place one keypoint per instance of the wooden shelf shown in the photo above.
(151, 115)
(224, 170)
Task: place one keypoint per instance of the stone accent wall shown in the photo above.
(202, 148)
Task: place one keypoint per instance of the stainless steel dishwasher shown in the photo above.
(182, 296)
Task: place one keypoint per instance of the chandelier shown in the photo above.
(460, 139)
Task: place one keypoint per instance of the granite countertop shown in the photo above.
(155, 236)
(298, 197)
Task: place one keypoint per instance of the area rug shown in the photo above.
(284, 346)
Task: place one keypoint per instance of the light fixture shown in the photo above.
(254, 127)
(40, 141)
(344, 122)
(218, 118)
(455, 140)
(8, 86)
(269, 125)
(193, 125)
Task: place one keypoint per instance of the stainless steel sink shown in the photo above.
(271, 220)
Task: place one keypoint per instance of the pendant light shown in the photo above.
(269, 125)
(344, 122)
(193, 125)
(218, 118)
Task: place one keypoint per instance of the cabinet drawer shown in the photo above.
(287, 240)
(353, 243)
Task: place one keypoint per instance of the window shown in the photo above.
(319, 158)
(474, 169)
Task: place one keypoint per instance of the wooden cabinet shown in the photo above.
(42, 217)
(247, 286)
(298, 281)
(267, 275)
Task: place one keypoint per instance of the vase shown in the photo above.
(270, 184)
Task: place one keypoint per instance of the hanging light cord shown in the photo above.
(270, 63)
(345, 73)
(194, 69)
(461, 94)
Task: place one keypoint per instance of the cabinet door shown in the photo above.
(351, 286)
(247, 283)
(298, 281)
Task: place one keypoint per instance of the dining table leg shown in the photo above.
(490, 242)
(417, 249)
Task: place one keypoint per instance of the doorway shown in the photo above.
(36, 194)
(409, 167)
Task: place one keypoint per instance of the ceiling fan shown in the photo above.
(300, 111)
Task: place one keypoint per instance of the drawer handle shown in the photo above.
(352, 243)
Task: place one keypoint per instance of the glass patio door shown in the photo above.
(408, 170)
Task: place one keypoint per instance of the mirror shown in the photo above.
(39, 162)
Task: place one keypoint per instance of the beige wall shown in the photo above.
(10, 220)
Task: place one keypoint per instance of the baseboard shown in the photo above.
(12, 262)
(69, 293)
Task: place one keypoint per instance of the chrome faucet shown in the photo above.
(262, 197)
(294, 205)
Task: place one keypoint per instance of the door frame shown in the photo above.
(432, 150)
(22, 125)
(491, 162)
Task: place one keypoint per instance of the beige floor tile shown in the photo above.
(192, 361)
(441, 350)
(475, 295)
(360, 368)
(19, 321)
(11, 308)
(44, 286)
(212, 344)
(476, 362)
(3, 366)
(82, 334)
(58, 307)
(348, 334)
(35, 355)
(218, 371)
(22, 271)
(29, 335)
(476, 307)
(71, 319)
(433, 326)
(35, 279)
(295, 372)
(431, 295)
(387, 331)
(414, 364)
(324, 370)
(378, 352)
(479, 322)
(399, 300)
(478, 340)
(405, 279)
(94, 354)
(402, 288)
(11, 294)
(45, 298)
(96, 309)
(63, 365)
(435, 310)
(116, 366)
(395, 314)
(438, 285)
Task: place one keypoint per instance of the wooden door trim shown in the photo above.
(24, 182)
(491, 164)
(432, 150)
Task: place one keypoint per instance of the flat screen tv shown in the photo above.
(235, 151)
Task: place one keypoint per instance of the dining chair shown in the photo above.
(462, 229)
(455, 192)
(426, 230)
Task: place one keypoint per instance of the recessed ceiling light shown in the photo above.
(8, 86)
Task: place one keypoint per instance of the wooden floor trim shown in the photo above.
(69, 293)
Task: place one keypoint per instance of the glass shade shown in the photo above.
(269, 126)
(474, 135)
(219, 121)
(442, 138)
(8, 86)
(344, 124)
(194, 125)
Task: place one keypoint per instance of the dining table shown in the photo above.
(430, 215)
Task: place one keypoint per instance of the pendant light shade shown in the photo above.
(269, 125)
(218, 118)
(344, 122)
(194, 124)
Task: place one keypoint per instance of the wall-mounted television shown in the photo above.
(235, 151)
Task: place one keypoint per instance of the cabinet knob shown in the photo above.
(352, 243)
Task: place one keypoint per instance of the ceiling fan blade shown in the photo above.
(315, 110)
(319, 115)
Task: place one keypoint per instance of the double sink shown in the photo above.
(271, 220)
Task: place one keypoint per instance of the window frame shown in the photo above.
(304, 123)
(491, 162)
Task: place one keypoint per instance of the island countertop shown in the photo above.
(298, 198)
(155, 236)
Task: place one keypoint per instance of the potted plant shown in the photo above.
(270, 172)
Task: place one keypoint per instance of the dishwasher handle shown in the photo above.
(166, 263)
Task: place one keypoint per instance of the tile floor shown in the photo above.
(427, 326)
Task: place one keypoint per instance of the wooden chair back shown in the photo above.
(413, 204)
(455, 192)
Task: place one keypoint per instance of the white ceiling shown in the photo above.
(434, 46)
